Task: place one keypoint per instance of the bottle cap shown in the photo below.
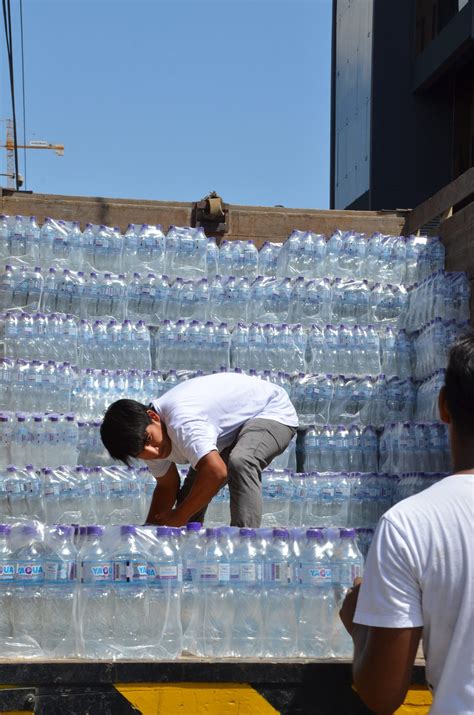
(127, 529)
(95, 530)
(314, 534)
(247, 533)
(280, 534)
(346, 533)
(193, 526)
(163, 531)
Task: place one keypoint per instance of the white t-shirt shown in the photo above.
(420, 572)
(205, 413)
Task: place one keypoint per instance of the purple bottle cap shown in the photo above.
(29, 530)
(280, 533)
(175, 531)
(346, 533)
(163, 531)
(94, 530)
(314, 534)
(5, 529)
(64, 529)
(212, 531)
(247, 533)
(128, 529)
(193, 526)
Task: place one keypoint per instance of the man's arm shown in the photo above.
(211, 475)
(383, 658)
(383, 662)
(165, 494)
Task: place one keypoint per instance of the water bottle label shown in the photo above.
(96, 571)
(164, 572)
(272, 490)
(315, 575)
(326, 494)
(248, 573)
(60, 571)
(277, 572)
(116, 486)
(130, 571)
(215, 573)
(27, 572)
(345, 574)
(14, 488)
(7, 572)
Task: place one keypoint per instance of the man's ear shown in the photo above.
(444, 412)
(153, 416)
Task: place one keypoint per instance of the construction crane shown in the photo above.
(10, 147)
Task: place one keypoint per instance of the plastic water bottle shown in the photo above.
(164, 596)
(276, 495)
(214, 597)
(246, 580)
(58, 593)
(130, 623)
(317, 605)
(7, 575)
(278, 599)
(191, 554)
(347, 564)
(28, 588)
(96, 595)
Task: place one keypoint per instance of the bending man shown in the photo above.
(227, 426)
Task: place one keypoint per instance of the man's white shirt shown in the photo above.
(206, 413)
(420, 572)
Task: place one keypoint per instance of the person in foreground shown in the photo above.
(419, 575)
(227, 426)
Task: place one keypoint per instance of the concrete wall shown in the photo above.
(258, 223)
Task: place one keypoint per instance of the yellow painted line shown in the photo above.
(417, 702)
(196, 699)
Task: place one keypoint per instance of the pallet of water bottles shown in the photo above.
(228, 299)
(160, 592)
(116, 494)
(188, 252)
(194, 345)
(45, 388)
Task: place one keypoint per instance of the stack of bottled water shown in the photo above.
(341, 448)
(81, 495)
(415, 446)
(410, 483)
(38, 438)
(345, 324)
(431, 346)
(118, 592)
(442, 295)
(427, 397)
(230, 299)
(326, 399)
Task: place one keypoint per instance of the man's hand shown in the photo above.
(172, 517)
(348, 608)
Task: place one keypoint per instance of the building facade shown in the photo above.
(402, 119)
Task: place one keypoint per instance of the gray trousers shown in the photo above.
(257, 443)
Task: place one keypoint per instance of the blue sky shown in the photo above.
(169, 99)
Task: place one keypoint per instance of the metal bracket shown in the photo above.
(211, 214)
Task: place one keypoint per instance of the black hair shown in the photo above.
(459, 385)
(123, 429)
